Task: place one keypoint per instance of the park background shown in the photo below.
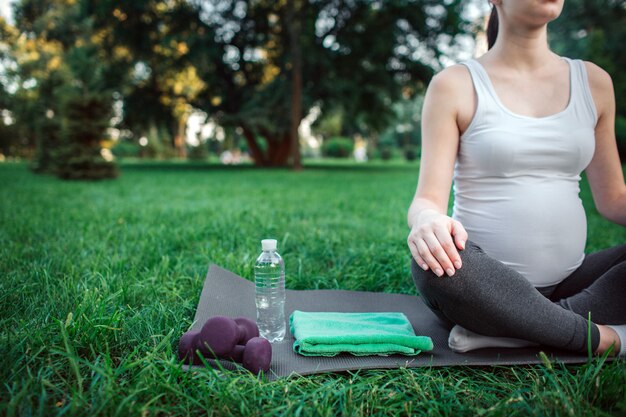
(142, 140)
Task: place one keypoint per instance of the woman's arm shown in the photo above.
(435, 238)
(605, 171)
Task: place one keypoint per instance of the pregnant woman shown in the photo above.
(514, 129)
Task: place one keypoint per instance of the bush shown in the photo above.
(386, 145)
(386, 152)
(77, 162)
(153, 150)
(373, 153)
(338, 147)
(410, 153)
(198, 153)
(126, 149)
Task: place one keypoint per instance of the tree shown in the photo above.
(37, 74)
(85, 105)
(8, 131)
(356, 56)
(167, 48)
(64, 81)
(294, 8)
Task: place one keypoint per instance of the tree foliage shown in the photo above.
(167, 52)
(593, 30)
(255, 66)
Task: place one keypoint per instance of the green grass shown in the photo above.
(98, 280)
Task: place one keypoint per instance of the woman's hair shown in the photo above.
(492, 28)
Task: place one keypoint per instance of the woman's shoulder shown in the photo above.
(601, 86)
(452, 80)
(599, 79)
(451, 91)
(452, 76)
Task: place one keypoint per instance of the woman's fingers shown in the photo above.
(420, 262)
(425, 251)
(439, 246)
(460, 234)
(452, 259)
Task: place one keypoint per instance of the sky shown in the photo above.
(5, 10)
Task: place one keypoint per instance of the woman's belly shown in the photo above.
(538, 228)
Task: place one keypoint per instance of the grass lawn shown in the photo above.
(99, 280)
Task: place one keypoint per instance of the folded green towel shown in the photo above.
(328, 334)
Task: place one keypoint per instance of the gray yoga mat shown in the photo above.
(225, 293)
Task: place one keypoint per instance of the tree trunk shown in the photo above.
(293, 20)
(179, 138)
(257, 154)
(278, 148)
(281, 150)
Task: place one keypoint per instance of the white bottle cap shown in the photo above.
(268, 244)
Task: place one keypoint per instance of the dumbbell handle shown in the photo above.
(219, 335)
(247, 330)
(237, 354)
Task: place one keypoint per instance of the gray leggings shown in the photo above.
(491, 299)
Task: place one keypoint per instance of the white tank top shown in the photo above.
(516, 180)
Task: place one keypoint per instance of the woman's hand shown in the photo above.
(434, 242)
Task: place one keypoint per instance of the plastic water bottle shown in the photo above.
(269, 277)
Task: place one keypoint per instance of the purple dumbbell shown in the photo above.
(226, 338)
(187, 348)
(221, 334)
(257, 355)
